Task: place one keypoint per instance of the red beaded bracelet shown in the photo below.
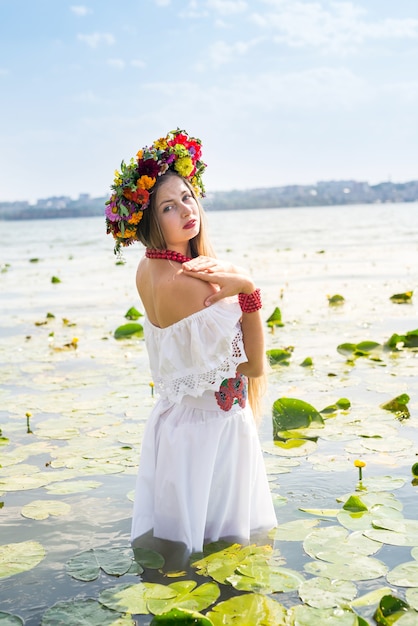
(250, 302)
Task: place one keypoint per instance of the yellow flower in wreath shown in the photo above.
(184, 166)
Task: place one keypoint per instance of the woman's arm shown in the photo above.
(230, 283)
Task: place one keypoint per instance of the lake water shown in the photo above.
(88, 404)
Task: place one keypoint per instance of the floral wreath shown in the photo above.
(133, 185)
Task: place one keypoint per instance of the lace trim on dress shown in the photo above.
(194, 384)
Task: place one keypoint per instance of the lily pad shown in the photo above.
(133, 314)
(79, 612)
(402, 298)
(311, 616)
(16, 558)
(7, 619)
(42, 509)
(362, 568)
(87, 565)
(404, 575)
(290, 413)
(324, 593)
(74, 486)
(398, 406)
(186, 595)
(275, 318)
(252, 608)
(128, 330)
(181, 616)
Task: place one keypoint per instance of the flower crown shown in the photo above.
(133, 185)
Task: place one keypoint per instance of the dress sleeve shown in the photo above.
(197, 353)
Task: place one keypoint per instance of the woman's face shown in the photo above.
(177, 213)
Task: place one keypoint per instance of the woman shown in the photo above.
(201, 475)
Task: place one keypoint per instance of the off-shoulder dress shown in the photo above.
(201, 472)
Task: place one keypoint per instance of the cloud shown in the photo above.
(331, 26)
(86, 97)
(95, 39)
(80, 10)
(227, 7)
(118, 64)
(138, 63)
(221, 52)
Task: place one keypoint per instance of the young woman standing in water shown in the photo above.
(201, 473)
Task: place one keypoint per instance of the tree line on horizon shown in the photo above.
(324, 193)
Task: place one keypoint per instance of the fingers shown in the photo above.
(202, 275)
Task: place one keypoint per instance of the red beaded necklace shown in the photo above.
(170, 255)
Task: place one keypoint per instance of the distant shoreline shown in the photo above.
(331, 193)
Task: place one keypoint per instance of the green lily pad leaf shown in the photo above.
(402, 298)
(186, 595)
(275, 318)
(364, 520)
(290, 413)
(364, 348)
(16, 558)
(263, 578)
(83, 612)
(128, 330)
(55, 280)
(181, 616)
(132, 598)
(148, 558)
(383, 483)
(404, 575)
(390, 609)
(252, 608)
(336, 300)
(342, 404)
(414, 470)
(371, 598)
(411, 596)
(86, 565)
(323, 593)
(42, 509)
(72, 486)
(296, 530)
(362, 568)
(398, 406)
(409, 340)
(279, 357)
(335, 544)
(406, 528)
(7, 619)
(224, 563)
(321, 512)
(133, 314)
(311, 616)
(354, 504)
(307, 362)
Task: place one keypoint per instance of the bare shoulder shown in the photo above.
(168, 294)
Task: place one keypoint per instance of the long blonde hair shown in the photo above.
(150, 234)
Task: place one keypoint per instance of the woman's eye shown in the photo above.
(167, 208)
(187, 196)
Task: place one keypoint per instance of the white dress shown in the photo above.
(201, 473)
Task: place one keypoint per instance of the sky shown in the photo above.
(280, 92)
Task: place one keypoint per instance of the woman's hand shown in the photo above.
(210, 265)
(229, 280)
